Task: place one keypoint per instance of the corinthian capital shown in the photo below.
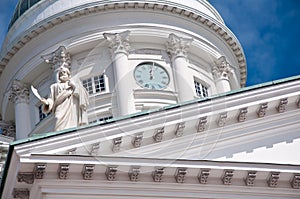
(178, 46)
(57, 58)
(118, 42)
(222, 69)
(19, 92)
(7, 128)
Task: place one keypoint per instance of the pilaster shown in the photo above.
(178, 47)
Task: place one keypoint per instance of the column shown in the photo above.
(184, 81)
(119, 45)
(222, 72)
(19, 95)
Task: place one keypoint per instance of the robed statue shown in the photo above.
(68, 100)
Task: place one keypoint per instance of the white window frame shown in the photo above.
(93, 86)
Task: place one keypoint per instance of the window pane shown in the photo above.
(99, 84)
(88, 85)
(201, 90)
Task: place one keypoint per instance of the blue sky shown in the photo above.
(269, 31)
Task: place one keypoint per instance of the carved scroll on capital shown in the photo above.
(7, 128)
(178, 46)
(19, 92)
(222, 69)
(58, 57)
(118, 42)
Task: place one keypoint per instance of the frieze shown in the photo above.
(282, 105)
(179, 129)
(249, 180)
(88, 171)
(116, 144)
(227, 177)
(203, 176)
(110, 173)
(157, 174)
(242, 114)
(63, 171)
(134, 174)
(222, 119)
(21, 193)
(273, 179)
(295, 182)
(27, 177)
(137, 140)
(202, 124)
(262, 110)
(159, 134)
(180, 175)
(39, 170)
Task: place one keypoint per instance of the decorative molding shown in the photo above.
(118, 42)
(222, 69)
(27, 177)
(95, 148)
(295, 181)
(222, 119)
(249, 180)
(58, 57)
(137, 140)
(273, 179)
(8, 128)
(21, 193)
(111, 173)
(117, 144)
(242, 114)
(134, 174)
(19, 92)
(202, 124)
(157, 174)
(203, 176)
(282, 105)
(39, 170)
(63, 171)
(227, 177)
(159, 134)
(178, 46)
(43, 26)
(180, 175)
(179, 129)
(262, 110)
(88, 171)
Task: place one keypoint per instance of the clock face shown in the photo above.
(151, 76)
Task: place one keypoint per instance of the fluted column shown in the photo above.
(178, 47)
(222, 72)
(119, 45)
(19, 95)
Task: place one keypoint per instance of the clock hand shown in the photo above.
(151, 73)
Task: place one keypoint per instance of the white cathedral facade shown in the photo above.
(169, 115)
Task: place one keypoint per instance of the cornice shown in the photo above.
(72, 170)
(219, 28)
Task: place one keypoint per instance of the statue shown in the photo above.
(68, 101)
